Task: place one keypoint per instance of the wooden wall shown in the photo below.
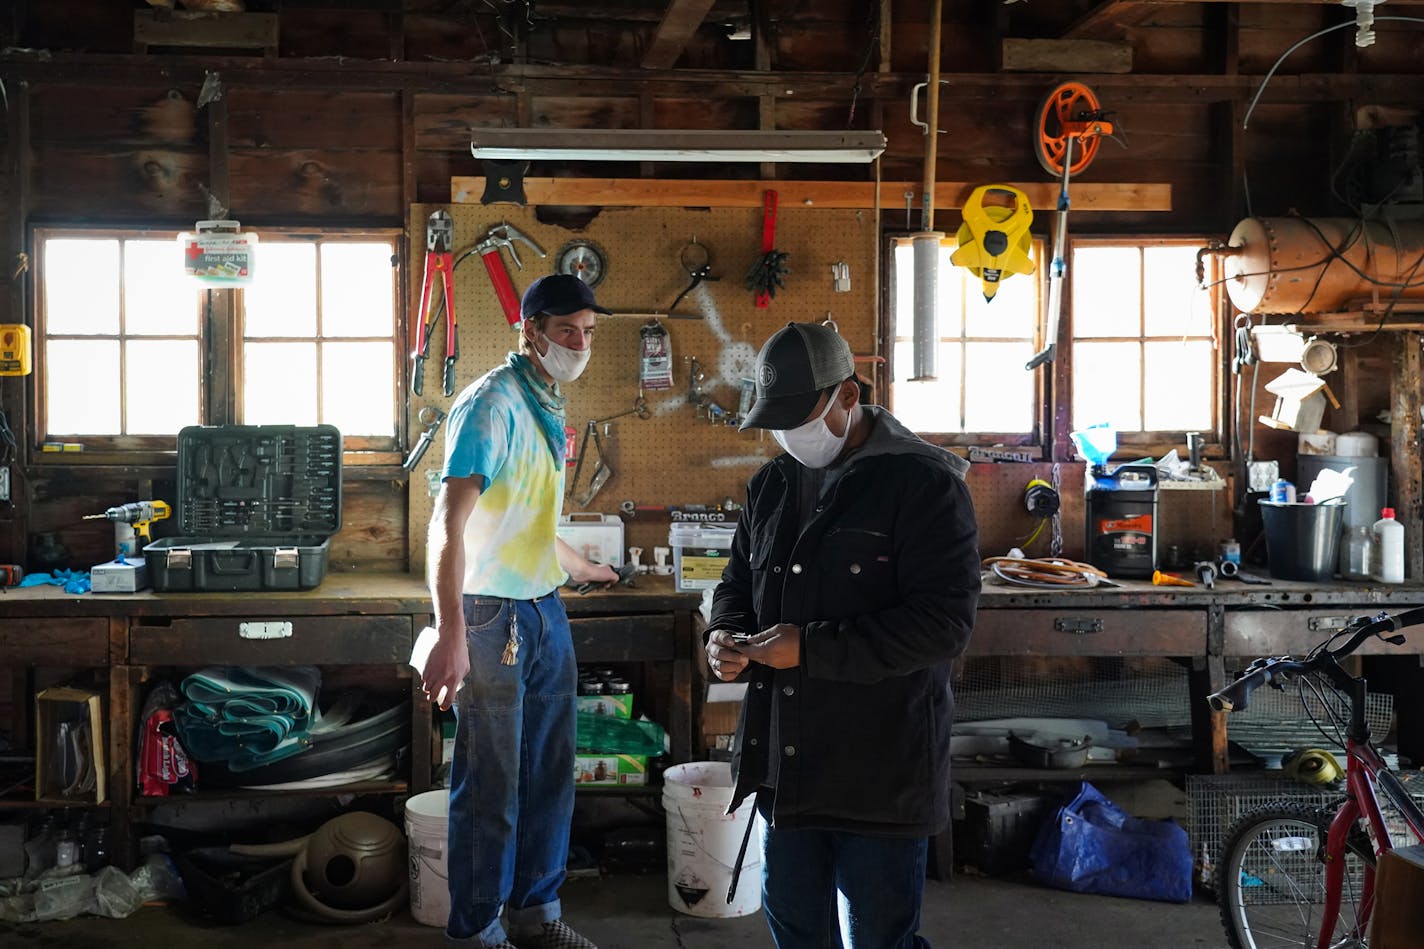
(361, 113)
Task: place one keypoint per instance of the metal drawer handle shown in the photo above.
(1320, 624)
(1078, 626)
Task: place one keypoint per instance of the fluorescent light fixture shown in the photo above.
(511, 144)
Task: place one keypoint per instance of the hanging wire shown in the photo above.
(1349, 25)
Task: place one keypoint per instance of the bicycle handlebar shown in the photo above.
(1237, 695)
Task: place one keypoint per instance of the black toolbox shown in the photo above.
(257, 505)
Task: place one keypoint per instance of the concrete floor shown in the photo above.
(631, 912)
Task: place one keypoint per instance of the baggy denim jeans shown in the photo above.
(512, 777)
(820, 887)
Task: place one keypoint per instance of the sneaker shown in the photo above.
(555, 934)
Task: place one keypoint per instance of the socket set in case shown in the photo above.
(257, 505)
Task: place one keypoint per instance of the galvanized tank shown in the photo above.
(1282, 265)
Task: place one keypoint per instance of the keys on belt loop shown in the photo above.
(511, 648)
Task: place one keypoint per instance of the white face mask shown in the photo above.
(564, 364)
(814, 444)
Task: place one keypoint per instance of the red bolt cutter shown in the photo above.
(439, 259)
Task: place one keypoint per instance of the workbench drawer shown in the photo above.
(1090, 632)
(250, 641)
(646, 638)
(78, 641)
(1253, 633)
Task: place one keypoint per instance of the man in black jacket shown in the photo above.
(850, 588)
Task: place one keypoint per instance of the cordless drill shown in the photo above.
(138, 513)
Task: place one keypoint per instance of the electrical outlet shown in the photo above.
(5, 483)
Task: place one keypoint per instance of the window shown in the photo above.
(983, 387)
(133, 350)
(1144, 352)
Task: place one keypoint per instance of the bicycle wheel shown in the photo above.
(1270, 882)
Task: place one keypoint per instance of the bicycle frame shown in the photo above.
(1366, 773)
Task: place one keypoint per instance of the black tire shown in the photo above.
(1270, 879)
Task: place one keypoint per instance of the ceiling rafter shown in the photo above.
(677, 26)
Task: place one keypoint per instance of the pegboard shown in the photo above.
(674, 457)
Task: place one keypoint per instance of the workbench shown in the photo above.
(368, 622)
(355, 627)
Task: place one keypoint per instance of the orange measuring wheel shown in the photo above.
(1071, 112)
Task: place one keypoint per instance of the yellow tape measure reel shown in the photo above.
(994, 241)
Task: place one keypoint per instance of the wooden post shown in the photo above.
(1405, 402)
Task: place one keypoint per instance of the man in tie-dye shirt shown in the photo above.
(504, 658)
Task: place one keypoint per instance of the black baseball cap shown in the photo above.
(798, 363)
(558, 294)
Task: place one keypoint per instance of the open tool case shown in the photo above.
(257, 505)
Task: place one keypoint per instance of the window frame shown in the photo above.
(1152, 441)
(1036, 438)
(220, 346)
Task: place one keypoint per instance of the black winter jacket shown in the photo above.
(883, 582)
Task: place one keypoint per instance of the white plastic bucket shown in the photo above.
(426, 818)
(702, 842)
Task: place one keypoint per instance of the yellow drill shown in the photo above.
(138, 513)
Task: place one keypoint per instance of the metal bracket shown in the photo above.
(915, 107)
(286, 558)
(179, 558)
(1078, 626)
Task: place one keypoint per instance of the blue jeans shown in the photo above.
(512, 777)
(822, 886)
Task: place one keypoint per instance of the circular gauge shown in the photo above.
(583, 259)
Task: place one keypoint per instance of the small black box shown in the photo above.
(999, 828)
(257, 505)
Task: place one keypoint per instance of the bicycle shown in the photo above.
(1291, 874)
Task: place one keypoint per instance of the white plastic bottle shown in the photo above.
(1389, 548)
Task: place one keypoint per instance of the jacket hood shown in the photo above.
(889, 436)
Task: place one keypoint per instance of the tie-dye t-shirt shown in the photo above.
(509, 539)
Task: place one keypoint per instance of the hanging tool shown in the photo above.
(439, 259)
(1071, 114)
(994, 241)
(697, 261)
(601, 472)
(500, 236)
(138, 513)
(770, 268)
(432, 418)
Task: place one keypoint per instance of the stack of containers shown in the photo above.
(1363, 501)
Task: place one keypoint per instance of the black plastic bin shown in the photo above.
(257, 505)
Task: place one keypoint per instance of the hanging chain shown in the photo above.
(1055, 543)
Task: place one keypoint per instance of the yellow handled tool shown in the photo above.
(138, 513)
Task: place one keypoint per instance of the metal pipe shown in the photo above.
(926, 243)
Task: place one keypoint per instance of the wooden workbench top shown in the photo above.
(380, 593)
(352, 593)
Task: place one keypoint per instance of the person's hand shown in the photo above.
(590, 572)
(778, 647)
(724, 656)
(445, 668)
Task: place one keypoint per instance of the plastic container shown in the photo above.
(1357, 445)
(699, 554)
(1121, 521)
(1357, 553)
(1368, 485)
(1302, 540)
(1388, 548)
(427, 819)
(703, 841)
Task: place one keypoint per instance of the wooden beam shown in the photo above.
(215, 30)
(686, 193)
(1070, 56)
(680, 21)
(1405, 401)
(1108, 18)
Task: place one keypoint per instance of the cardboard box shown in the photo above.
(610, 771)
(619, 706)
(721, 707)
(69, 747)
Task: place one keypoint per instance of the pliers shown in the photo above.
(439, 259)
